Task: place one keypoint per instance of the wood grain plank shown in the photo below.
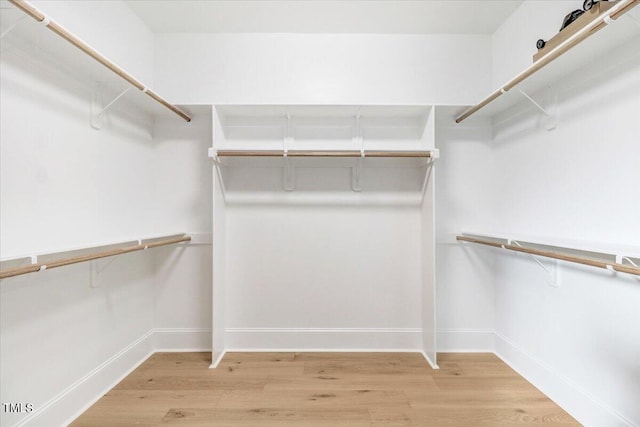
(323, 389)
(266, 417)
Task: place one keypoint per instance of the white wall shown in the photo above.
(578, 342)
(514, 43)
(107, 26)
(182, 179)
(323, 69)
(64, 184)
(349, 269)
(464, 202)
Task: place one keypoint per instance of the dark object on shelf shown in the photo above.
(597, 7)
(588, 4)
(570, 18)
(540, 44)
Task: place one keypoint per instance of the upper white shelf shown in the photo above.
(323, 127)
(599, 40)
(28, 31)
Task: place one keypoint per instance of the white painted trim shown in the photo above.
(321, 350)
(70, 403)
(79, 396)
(429, 361)
(465, 340)
(216, 362)
(320, 339)
(182, 339)
(580, 404)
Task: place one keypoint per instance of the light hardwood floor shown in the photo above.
(323, 389)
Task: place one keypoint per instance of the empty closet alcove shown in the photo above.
(323, 224)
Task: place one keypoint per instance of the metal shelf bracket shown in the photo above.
(96, 267)
(621, 258)
(356, 170)
(289, 171)
(550, 113)
(549, 266)
(97, 111)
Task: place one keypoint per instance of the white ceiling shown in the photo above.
(324, 16)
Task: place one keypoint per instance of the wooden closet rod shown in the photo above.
(32, 268)
(630, 269)
(621, 7)
(32, 11)
(328, 153)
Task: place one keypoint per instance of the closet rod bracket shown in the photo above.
(289, 178)
(97, 111)
(550, 113)
(551, 269)
(358, 141)
(356, 174)
(213, 154)
(96, 267)
(620, 260)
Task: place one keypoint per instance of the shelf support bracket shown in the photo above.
(289, 174)
(217, 165)
(97, 112)
(550, 115)
(435, 154)
(356, 174)
(95, 270)
(356, 170)
(289, 171)
(533, 101)
(551, 269)
(12, 27)
(620, 258)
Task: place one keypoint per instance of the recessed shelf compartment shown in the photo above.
(334, 178)
(323, 149)
(324, 127)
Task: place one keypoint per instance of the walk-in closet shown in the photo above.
(319, 213)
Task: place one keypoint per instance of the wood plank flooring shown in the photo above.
(323, 389)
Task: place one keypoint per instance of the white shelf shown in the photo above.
(324, 127)
(32, 41)
(326, 143)
(616, 260)
(631, 251)
(52, 259)
(613, 44)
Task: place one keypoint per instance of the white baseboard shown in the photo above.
(581, 405)
(429, 361)
(465, 340)
(77, 398)
(182, 339)
(313, 339)
(216, 359)
(73, 401)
